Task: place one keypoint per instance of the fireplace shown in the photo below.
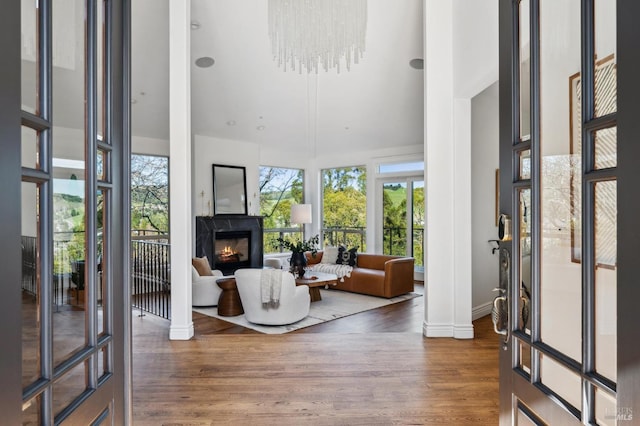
(230, 242)
(232, 249)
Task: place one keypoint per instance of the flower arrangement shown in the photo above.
(301, 246)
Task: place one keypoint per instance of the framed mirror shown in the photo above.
(229, 190)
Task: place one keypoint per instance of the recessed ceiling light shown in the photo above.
(260, 128)
(205, 62)
(417, 63)
(231, 123)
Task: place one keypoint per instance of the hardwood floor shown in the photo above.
(373, 368)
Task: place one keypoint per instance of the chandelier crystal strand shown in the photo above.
(314, 33)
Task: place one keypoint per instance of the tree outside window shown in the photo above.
(279, 189)
(149, 195)
(344, 215)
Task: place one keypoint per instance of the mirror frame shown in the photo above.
(241, 207)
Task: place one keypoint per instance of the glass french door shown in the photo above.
(65, 150)
(403, 218)
(565, 78)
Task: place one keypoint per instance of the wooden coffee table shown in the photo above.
(315, 280)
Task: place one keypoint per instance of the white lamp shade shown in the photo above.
(300, 213)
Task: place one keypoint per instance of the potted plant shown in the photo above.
(298, 249)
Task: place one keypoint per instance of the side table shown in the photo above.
(229, 303)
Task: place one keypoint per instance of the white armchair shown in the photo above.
(273, 262)
(294, 300)
(205, 290)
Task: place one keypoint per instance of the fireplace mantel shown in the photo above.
(208, 226)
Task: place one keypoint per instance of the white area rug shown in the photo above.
(334, 304)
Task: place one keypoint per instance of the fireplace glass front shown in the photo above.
(232, 247)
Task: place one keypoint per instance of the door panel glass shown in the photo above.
(69, 266)
(525, 63)
(100, 165)
(68, 93)
(562, 381)
(69, 387)
(523, 419)
(103, 361)
(394, 213)
(31, 413)
(524, 361)
(606, 278)
(605, 49)
(606, 413)
(31, 317)
(102, 235)
(30, 148)
(524, 322)
(100, 53)
(29, 54)
(525, 164)
(606, 148)
(68, 88)
(561, 278)
(418, 222)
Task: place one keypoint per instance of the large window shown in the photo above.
(344, 196)
(149, 195)
(279, 189)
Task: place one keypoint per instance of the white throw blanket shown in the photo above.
(270, 286)
(329, 268)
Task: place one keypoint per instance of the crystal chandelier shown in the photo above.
(310, 33)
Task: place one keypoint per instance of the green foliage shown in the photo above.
(345, 206)
(341, 178)
(301, 245)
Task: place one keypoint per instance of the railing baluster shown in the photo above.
(151, 276)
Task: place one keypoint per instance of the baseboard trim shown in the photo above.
(463, 331)
(481, 311)
(437, 330)
(448, 330)
(181, 332)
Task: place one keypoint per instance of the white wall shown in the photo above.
(149, 146)
(208, 151)
(461, 59)
(484, 152)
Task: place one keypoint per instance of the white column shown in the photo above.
(180, 168)
(462, 235)
(447, 186)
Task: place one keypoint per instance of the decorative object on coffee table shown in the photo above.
(298, 259)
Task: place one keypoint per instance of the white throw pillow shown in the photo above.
(329, 255)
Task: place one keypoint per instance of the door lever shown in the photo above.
(500, 308)
(496, 247)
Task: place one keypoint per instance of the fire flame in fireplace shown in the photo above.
(227, 254)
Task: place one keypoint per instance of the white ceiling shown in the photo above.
(378, 104)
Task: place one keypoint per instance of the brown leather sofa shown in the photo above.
(376, 275)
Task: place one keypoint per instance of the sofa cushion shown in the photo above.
(329, 255)
(347, 256)
(202, 265)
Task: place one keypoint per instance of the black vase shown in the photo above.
(298, 262)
